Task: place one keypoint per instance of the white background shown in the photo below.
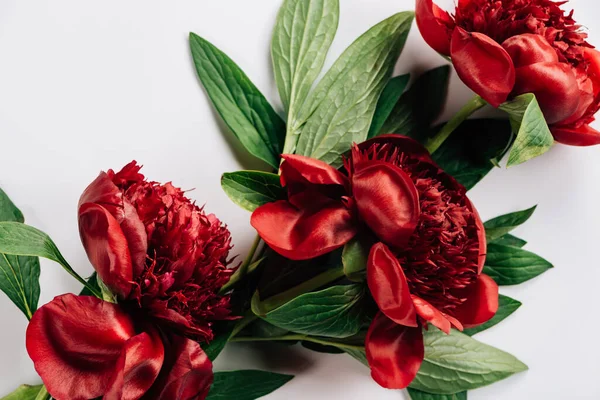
(86, 86)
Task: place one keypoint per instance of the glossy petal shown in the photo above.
(104, 192)
(106, 247)
(389, 287)
(592, 57)
(403, 143)
(432, 315)
(481, 304)
(312, 170)
(483, 65)
(480, 235)
(586, 98)
(304, 234)
(387, 201)
(555, 88)
(74, 342)
(529, 49)
(394, 352)
(435, 33)
(584, 135)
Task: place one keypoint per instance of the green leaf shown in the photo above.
(216, 346)
(355, 257)
(245, 385)
(252, 189)
(302, 37)
(319, 348)
(420, 106)
(358, 355)
(93, 282)
(506, 306)
(500, 226)
(388, 100)
(19, 276)
(334, 312)
(533, 135)
(510, 240)
(456, 362)
(27, 392)
(509, 265)
(473, 149)
(241, 105)
(340, 109)
(418, 395)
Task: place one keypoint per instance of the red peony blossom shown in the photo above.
(427, 266)
(165, 260)
(504, 48)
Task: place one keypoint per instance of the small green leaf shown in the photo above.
(216, 346)
(500, 226)
(467, 155)
(245, 385)
(27, 392)
(533, 135)
(302, 37)
(509, 265)
(252, 189)
(19, 276)
(418, 395)
(506, 306)
(355, 257)
(456, 362)
(388, 100)
(241, 105)
(340, 109)
(510, 240)
(92, 282)
(334, 312)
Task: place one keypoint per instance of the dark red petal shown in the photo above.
(435, 33)
(106, 248)
(394, 352)
(481, 304)
(137, 368)
(529, 48)
(403, 143)
(555, 88)
(74, 342)
(592, 58)
(480, 235)
(387, 201)
(187, 373)
(431, 314)
(304, 234)
(457, 324)
(104, 192)
(312, 170)
(584, 135)
(586, 97)
(483, 65)
(137, 239)
(389, 287)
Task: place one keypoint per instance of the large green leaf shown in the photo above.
(418, 395)
(456, 362)
(500, 226)
(474, 149)
(216, 346)
(245, 385)
(533, 135)
(241, 105)
(334, 312)
(510, 240)
(340, 109)
(358, 355)
(506, 306)
(418, 108)
(27, 392)
(509, 265)
(388, 100)
(252, 189)
(19, 276)
(303, 34)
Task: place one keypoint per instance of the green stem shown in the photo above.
(473, 105)
(42, 394)
(247, 320)
(296, 338)
(243, 270)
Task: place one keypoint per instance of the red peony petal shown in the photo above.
(529, 48)
(387, 201)
(137, 239)
(481, 304)
(480, 235)
(74, 342)
(137, 368)
(456, 323)
(586, 97)
(592, 58)
(187, 373)
(483, 65)
(389, 287)
(431, 314)
(403, 143)
(106, 247)
(584, 135)
(555, 88)
(304, 234)
(394, 352)
(104, 192)
(312, 170)
(429, 20)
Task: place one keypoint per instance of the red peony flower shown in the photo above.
(427, 266)
(165, 260)
(504, 48)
